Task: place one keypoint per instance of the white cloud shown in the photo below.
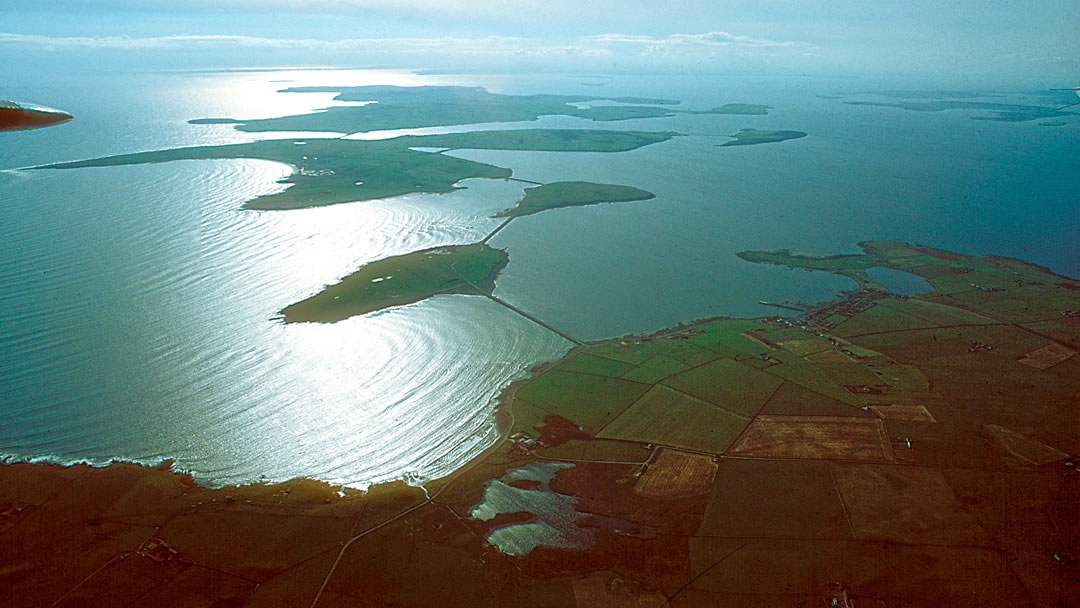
(216, 41)
(601, 50)
(711, 39)
(588, 45)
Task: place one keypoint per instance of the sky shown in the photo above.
(1032, 42)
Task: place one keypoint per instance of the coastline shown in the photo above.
(503, 401)
(915, 466)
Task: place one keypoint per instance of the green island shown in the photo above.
(392, 107)
(742, 109)
(751, 137)
(934, 95)
(875, 450)
(333, 171)
(1001, 112)
(403, 279)
(572, 194)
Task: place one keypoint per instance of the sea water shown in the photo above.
(137, 303)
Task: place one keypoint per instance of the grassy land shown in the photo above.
(728, 384)
(332, 171)
(751, 137)
(402, 279)
(587, 400)
(573, 194)
(668, 417)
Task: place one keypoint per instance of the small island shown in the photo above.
(403, 279)
(751, 137)
(573, 194)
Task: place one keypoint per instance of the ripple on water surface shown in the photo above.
(138, 324)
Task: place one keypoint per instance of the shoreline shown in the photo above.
(503, 402)
(804, 471)
(502, 414)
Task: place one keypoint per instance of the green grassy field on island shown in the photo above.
(573, 194)
(400, 280)
(751, 137)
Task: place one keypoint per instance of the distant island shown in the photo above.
(742, 109)
(752, 137)
(393, 107)
(1001, 112)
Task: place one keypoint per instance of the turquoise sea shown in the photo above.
(136, 303)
